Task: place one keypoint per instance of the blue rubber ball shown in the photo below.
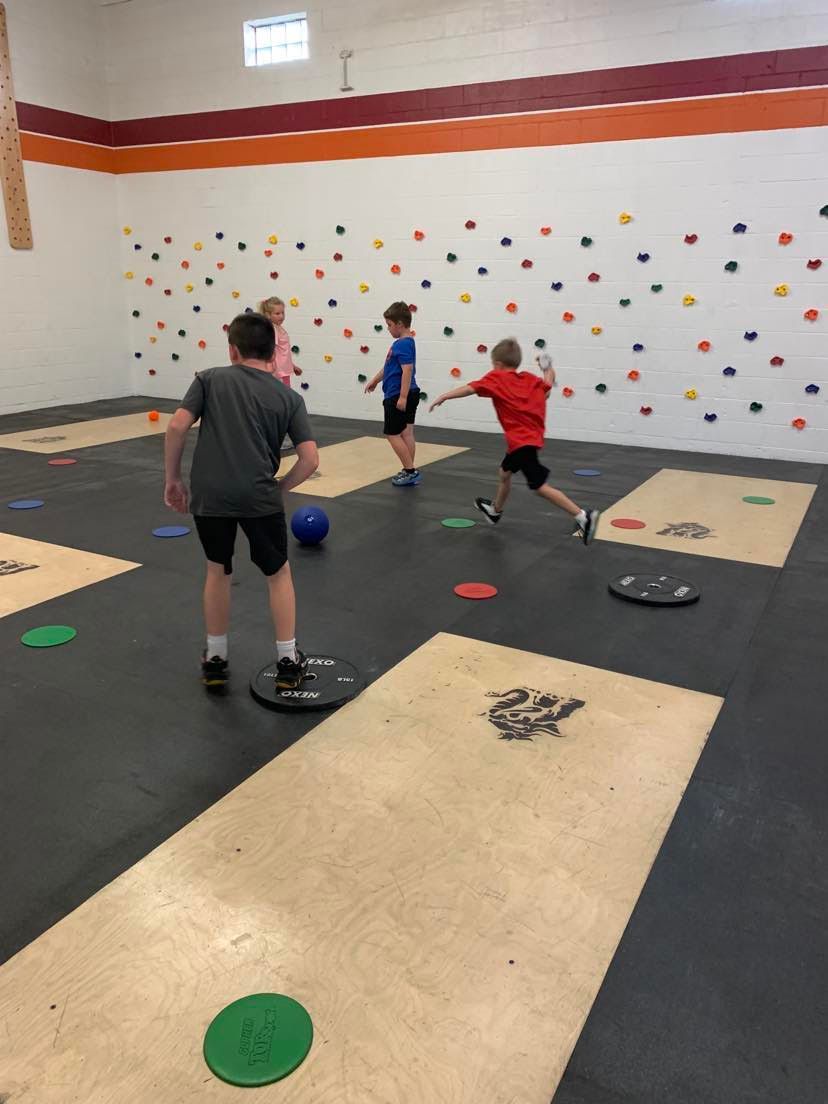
(310, 524)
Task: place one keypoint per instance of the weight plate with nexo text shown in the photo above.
(328, 683)
(655, 590)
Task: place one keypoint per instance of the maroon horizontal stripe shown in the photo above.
(771, 69)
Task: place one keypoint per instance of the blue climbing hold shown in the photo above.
(638, 347)
(739, 228)
(332, 302)
(219, 235)
(751, 335)
(728, 371)
(710, 417)
(643, 257)
(556, 286)
(300, 245)
(812, 389)
(505, 241)
(426, 284)
(482, 272)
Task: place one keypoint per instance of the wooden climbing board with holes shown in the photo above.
(11, 158)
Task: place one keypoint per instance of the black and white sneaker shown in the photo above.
(587, 531)
(290, 673)
(215, 672)
(484, 505)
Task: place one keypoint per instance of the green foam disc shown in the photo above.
(47, 636)
(758, 500)
(457, 523)
(258, 1039)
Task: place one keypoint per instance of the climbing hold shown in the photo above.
(471, 224)
(656, 287)
(633, 374)
(594, 277)
(328, 358)
(294, 349)
(511, 308)
(710, 417)
(567, 392)
(220, 265)
(378, 243)
(188, 287)
(482, 348)
(182, 333)
(137, 246)
(465, 297)
(235, 294)
(624, 218)
(556, 286)
(447, 331)
(395, 269)
(781, 290)
(824, 211)
(317, 321)
(425, 284)
(168, 291)
(739, 228)
(136, 314)
(455, 372)
(364, 349)
(208, 280)
(643, 257)
(347, 333)
(150, 372)
(273, 239)
(777, 361)
(812, 389)
(138, 356)
(161, 325)
(337, 256)
(691, 393)
(728, 371)
(638, 347)
(811, 315)
(482, 272)
(597, 330)
(568, 316)
(168, 241)
(319, 273)
(153, 340)
(127, 230)
(304, 386)
(600, 388)
(242, 246)
(362, 378)
(332, 303)
(268, 252)
(785, 238)
(197, 246)
(451, 257)
(273, 276)
(219, 235)
(799, 423)
(814, 265)
(202, 344)
(378, 327)
(731, 266)
(691, 239)
(526, 263)
(363, 288)
(703, 346)
(751, 335)
(586, 242)
(755, 407)
(225, 327)
(546, 231)
(418, 235)
(645, 410)
(175, 356)
(624, 302)
(540, 343)
(294, 302)
(689, 300)
(506, 241)
(129, 275)
(412, 307)
(156, 257)
(340, 230)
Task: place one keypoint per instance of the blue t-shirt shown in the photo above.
(403, 351)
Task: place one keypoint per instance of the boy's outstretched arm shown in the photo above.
(175, 492)
(307, 461)
(372, 383)
(457, 393)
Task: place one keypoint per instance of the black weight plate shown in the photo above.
(655, 590)
(329, 682)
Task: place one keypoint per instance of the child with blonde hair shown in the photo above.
(283, 366)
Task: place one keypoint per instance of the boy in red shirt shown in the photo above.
(520, 404)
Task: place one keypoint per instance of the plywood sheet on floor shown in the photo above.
(359, 463)
(440, 872)
(703, 513)
(33, 571)
(79, 435)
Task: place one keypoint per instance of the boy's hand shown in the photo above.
(435, 404)
(176, 496)
(370, 386)
(402, 403)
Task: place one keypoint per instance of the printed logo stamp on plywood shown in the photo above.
(524, 713)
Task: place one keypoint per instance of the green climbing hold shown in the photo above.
(824, 211)
(758, 500)
(600, 388)
(451, 257)
(755, 407)
(340, 230)
(294, 349)
(182, 333)
(136, 314)
(447, 331)
(258, 1039)
(624, 302)
(156, 256)
(423, 396)
(586, 242)
(362, 378)
(540, 343)
(378, 327)
(47, 636)
(656, 287)
(175, 356)
(457, 523)
(731, 266)
(242, 246)
(208, 280)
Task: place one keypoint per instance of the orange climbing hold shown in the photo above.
(811, 315)
(568, 316)
(704, 346)
(799, 423)
(633, 374)
(455, 372)
(511, 308)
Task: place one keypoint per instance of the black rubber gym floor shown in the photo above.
(718, 990)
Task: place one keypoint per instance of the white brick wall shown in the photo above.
(771, 181)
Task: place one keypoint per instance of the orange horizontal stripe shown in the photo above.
(674, 118)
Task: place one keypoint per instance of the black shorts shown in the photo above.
(397, 420)
(267, 536)
(526, 460)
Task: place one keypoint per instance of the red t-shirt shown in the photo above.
(520, 404)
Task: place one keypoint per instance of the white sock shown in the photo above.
(581, 518)
(217, 646)
(286, 649)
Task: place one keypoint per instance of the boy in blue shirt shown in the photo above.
(400, 393)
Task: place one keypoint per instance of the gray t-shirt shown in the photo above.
(245, 414)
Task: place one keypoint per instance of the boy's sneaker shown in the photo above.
(290, 672)
(587, 530)
(407, 479)
(215, 672)
(484, 505)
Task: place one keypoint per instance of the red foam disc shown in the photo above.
(62, 462)
(475, 590)
(628, 523)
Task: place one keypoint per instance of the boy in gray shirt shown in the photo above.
(245, 414)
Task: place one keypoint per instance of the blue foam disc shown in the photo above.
(26, 504)
(171, 531)
(586, 471)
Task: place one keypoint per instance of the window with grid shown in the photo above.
(282, 38)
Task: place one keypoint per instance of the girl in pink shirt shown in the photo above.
(283, 366)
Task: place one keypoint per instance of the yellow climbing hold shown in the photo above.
(153, 340)
(624, 218)
(198, 246)
(378, 243)
(691, 394)
(465, 297)
(188, 287)
(294, 302)
(127, 229)
(781, 289)
(688, 301)
(236, 294)
(597, 329)
(129, 275)
(273, 239)
(363, 288)
(328, 358)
